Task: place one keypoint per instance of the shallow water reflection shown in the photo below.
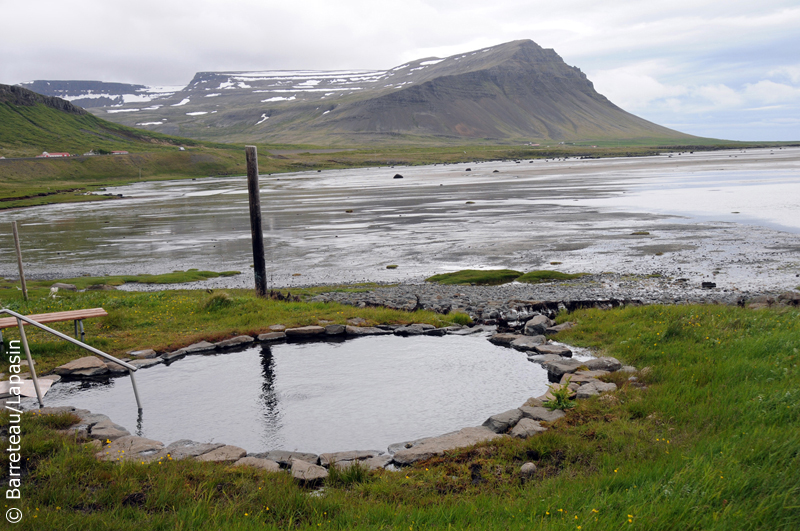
(363, 393)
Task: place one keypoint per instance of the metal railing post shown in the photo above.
(24, 339)
(135, 390)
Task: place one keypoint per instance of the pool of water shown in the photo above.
(358, 394)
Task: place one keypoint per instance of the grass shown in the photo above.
(176, 277)
(537, 277)
(488, 277)
(494, 277)
(712, 442)
(171, 319)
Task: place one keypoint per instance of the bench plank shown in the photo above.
(55, 317)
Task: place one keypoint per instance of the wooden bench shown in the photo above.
(56, 317)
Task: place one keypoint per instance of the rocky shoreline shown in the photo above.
(113, 442)
(516, 300)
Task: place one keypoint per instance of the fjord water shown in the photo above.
(361, 394)
(348, 225)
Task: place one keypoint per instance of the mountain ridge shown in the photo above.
(517, 91)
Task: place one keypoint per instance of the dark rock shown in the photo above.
(527, 343)
(556, 369)
(603, 364)
(558, 328)
(271, 336)
(335, 330)
(553, 350)
(504, 340)
(304, 331)
(235, 342)
(397, 176)
(537, 325)
(501, 422)
(365, 331)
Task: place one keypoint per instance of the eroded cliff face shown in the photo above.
(21, 96)
(517, 90)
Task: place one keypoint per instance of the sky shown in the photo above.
(722, 69)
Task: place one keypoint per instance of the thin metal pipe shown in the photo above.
(24, 339)
(135, 391)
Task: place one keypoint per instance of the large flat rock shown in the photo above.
(272, 336)
(185, 449)
(223, 454)
(353, 455)
(284, 457)
(432, 446)
(305, 331)
(528, 343)
(527, 428)
(86, 366)
(130, 448)
(106, 430)
(553, 350)
(365, 331)
(557, 369)
(235, 342)
(267, 465)
(604, 364)
(504, 339)
(541, 413)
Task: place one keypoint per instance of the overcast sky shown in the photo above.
(724, 69)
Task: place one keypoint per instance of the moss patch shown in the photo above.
(492, 277)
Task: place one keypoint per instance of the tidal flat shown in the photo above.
(728, 217)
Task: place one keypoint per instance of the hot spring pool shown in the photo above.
(358, 394)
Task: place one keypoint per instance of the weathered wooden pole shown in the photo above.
(19, 260)
(259, 265)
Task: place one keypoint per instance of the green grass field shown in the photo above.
(709, 439)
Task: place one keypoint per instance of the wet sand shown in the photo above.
(726, 217)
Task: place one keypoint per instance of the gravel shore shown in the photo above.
(508, 300)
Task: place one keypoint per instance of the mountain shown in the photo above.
(516, 91)
(92, 94)
(31, 123)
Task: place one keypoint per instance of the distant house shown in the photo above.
(119, 152)
(46, 155)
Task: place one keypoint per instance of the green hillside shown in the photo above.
(32, 124)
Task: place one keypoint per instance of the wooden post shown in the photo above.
(259, 265)
(19, 261)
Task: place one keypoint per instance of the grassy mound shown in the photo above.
(492, 277)
(535, 277)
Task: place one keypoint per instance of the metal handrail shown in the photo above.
(23, 337)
